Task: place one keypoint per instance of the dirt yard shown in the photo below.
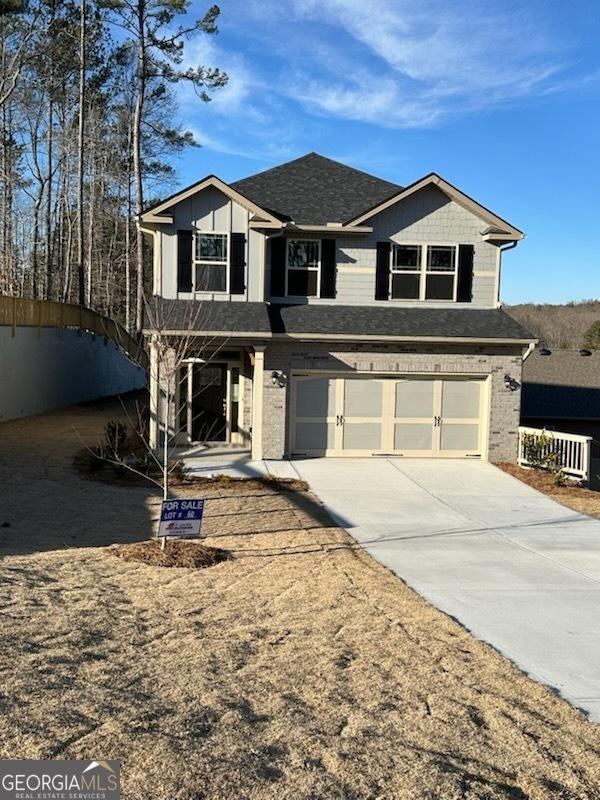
(586, 501)
(298, 670)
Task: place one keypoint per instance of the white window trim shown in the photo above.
(224, 264)
(302, 269)
(423, 272)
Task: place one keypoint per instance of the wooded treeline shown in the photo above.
(567, 326)
(86, 139)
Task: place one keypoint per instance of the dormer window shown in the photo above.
(211, 262)
(303, 267)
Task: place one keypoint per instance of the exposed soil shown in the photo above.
(175, 554)
(92, 467)
(585, 501)
(298, 669)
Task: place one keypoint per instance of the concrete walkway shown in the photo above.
(517, 569)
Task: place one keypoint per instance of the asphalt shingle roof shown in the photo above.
(562, 385)
(329, 320)
(314, 190)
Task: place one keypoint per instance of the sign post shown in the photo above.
(180, 519)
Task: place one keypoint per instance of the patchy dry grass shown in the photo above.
(300, 669)
(585, 501)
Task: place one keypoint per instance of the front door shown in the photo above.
(209, 402)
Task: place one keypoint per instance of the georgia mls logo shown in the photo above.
(59, 780)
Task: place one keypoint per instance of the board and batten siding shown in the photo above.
(426, 217)
(210, 211)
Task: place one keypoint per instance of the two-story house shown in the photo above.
(327, 312)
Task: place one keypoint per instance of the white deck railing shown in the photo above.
(571, 451)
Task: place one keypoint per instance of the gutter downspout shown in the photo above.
(509, 246)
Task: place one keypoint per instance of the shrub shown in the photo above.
(179, 470)
(536, 451)
(115, 437)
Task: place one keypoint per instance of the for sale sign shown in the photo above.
(181, 518)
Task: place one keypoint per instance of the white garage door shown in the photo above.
(357, 416)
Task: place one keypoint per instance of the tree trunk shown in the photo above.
(137, 161)
(81, 155)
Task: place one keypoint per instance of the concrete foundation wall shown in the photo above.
(492, 361)
(57, 368)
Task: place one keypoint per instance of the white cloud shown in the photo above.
(391, 63)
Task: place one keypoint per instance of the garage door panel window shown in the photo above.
(413, 436)
(461, 399)
(414, 399)
(315, 397)
(363, 398)
(362, 436)
(318, 436)
(461, 437)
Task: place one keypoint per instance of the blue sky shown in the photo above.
(500, 98)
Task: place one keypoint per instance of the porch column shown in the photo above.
(257, 402)
(154, 394)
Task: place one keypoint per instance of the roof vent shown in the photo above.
(584, 352)
(545, 352)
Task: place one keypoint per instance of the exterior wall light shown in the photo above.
(278, 378)
(511, 383)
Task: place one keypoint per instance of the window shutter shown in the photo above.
(237, 264)
(184, 261)
(328, 267)
(464, 289)
(382, 271)
(278, 245)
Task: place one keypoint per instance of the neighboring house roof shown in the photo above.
(313, 190)
(331, 322)
(561, 385)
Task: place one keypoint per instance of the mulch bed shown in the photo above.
(177, 553)
(579, 498)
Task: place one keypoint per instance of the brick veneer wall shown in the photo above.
(493, 360)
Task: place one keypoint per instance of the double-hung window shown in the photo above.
(406, 271)
(441, 272)
(211, 262)
(303, 267)
(423, 272)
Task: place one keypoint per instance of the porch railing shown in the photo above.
(17, 312)
(571, 452)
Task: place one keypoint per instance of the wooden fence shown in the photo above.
(18, 312)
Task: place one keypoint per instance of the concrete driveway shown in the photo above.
(517, 569)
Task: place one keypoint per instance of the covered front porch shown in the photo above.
(207, 399)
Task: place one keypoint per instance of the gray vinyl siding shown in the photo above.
(427, 217)
(210, 211)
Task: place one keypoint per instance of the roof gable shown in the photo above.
(159, 211)
(314, 190)
(494, 222)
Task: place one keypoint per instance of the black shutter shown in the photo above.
(382, 271)
(464, 290)
(237, 264)
(278, 266)
(184, 261)
(328, 267)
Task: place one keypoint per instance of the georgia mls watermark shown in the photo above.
(59, 780)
